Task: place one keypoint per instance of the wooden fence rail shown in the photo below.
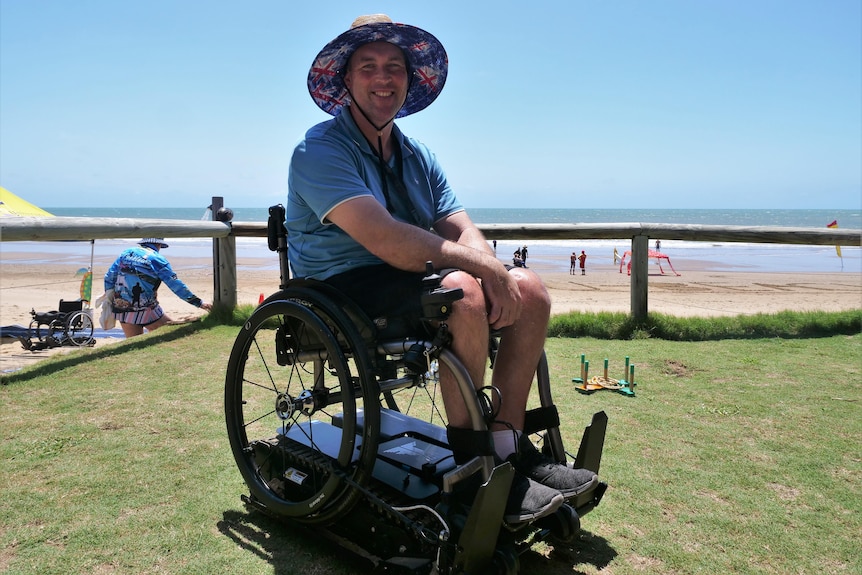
(224, 240)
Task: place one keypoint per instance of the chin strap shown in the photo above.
(378, 151)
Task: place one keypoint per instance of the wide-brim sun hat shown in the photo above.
(426, 59)
(159, 242)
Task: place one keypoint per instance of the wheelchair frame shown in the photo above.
(321, 421)
(69, 324)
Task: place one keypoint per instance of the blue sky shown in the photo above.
(662, 103)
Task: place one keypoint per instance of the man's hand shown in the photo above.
(504, 298)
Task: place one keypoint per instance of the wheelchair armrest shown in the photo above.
(436, 300)
(437, 303)
(276, 233)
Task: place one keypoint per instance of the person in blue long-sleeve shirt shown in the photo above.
(135, 278)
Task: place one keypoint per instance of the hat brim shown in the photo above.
(426, 57)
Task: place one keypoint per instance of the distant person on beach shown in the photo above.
(658, 245)
(368, 206)
(524, 255)
(135, 277)
(616, 256)
(573, 262)
(517, 261)
(583, 260)
(495, 246)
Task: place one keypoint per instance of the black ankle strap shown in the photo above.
(467, 443)
(541, 418)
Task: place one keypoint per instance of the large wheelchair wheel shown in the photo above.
(297, 381)
(79, 328)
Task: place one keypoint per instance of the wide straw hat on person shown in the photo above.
(426, 60)
(158, 242)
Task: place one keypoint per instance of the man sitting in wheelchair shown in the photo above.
(367, 206)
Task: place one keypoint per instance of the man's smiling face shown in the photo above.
(377, 79)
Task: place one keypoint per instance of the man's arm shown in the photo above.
(459, 228)
(459, 245)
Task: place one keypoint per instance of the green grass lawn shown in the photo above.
(736, 456)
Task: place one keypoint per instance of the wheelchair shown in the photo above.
(337, 425)
(70, 324)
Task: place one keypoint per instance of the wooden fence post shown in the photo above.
(224, 264)
(640, 276)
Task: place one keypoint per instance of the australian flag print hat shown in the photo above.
(426, 59)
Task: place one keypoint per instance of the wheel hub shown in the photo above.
(284, 406)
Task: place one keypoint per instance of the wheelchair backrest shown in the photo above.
(70, 306)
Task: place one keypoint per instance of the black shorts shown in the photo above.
(390, 297)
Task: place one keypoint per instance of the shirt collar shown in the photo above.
(348, 124)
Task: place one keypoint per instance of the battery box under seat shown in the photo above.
(411, 457)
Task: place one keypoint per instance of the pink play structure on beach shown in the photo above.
(653, 254)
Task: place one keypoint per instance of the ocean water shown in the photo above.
(851, 219)
(730, 256)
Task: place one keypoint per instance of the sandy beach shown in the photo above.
(39, 281)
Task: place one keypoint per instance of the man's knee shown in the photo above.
(472, 306)
(534, 295)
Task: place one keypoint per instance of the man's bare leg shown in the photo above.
(469, 326)
(521, 346)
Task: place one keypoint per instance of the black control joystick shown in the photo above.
(437, 300)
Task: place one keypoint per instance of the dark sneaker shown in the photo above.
(529, 500)
(542, 469)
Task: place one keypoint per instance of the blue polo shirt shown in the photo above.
(334, 164)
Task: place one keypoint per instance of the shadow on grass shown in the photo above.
(289, 548)
(61, 362)
(566, 558)
(292, 548)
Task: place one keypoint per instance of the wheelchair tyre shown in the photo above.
(79, 328)
(293, 390)
(552, 438)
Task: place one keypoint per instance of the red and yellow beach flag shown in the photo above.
(834, 224)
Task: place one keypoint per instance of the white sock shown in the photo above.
(506, 442)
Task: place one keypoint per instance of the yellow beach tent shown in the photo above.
(12, 205)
